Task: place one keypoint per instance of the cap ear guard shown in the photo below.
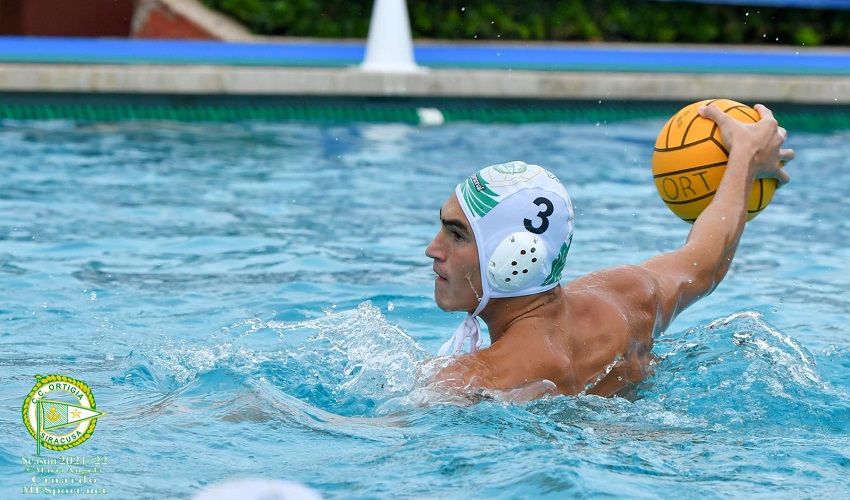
(516, 262)
(517, 197)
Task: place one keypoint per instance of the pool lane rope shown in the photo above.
(836, 118)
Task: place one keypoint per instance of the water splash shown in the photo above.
(347, 362)
(740, 371)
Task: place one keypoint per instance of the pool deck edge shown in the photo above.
(438, 83)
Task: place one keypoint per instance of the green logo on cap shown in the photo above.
(478, 197)
(511, 168)
(558, 265)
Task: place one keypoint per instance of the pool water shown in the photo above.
(252, 300)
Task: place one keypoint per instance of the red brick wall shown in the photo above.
(95, 18)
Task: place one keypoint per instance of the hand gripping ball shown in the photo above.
(690, 158)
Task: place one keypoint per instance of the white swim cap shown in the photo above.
(522, 219)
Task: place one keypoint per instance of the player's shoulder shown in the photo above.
(618, 276)
(626, 284)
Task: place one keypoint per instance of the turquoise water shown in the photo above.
(253, 300)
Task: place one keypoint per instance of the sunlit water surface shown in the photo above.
(252, 300)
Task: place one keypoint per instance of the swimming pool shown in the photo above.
(252, 299)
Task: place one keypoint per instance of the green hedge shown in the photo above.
(550, 20)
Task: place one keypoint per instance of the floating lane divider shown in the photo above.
(805, 119)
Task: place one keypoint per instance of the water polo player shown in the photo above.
(504, 239)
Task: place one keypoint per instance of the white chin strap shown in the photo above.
(516, 261)
(469, 329)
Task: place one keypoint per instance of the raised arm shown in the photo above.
(693, 271)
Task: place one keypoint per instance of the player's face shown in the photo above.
(457, 286)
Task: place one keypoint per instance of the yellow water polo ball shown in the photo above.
(690, 159)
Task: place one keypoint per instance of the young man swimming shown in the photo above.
(499, 255)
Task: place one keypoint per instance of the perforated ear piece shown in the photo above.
(516, 262)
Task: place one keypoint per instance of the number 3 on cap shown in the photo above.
(543, 214)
